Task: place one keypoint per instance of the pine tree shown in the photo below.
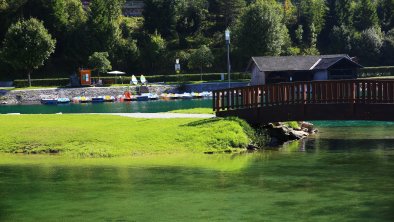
(365, 15)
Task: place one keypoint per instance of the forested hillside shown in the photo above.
(191, 30)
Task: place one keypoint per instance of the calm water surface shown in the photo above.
(346, 173)
(116, 107)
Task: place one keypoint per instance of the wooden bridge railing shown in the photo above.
(317, 92)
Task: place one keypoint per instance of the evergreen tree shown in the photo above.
(312, 12)
(160, 16)
(230, 10)
(103, 25)
(260, 30)
(344, 13)
(386, 14)
(388, 48)
(365, 15)
(341, 40)
(290, 12)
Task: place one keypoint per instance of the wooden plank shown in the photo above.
(222, 101)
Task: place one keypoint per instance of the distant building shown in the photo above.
(268, 69)
(130, 9)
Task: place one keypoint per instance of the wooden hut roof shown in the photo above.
(299, 63)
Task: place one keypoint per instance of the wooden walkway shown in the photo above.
(318, 100)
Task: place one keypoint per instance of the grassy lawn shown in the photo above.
(109, 136)
(194, 111)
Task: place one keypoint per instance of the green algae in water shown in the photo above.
(325, 178)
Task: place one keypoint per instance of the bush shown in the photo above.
(376, 71)
(21, 83)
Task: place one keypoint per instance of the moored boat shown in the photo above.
(142, 98)
(63, 100)
(196, 95)
(49, 101)
(186, 96)
(98, 99)
(85, 99)
(109, 98)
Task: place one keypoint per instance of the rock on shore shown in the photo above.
(282, 132)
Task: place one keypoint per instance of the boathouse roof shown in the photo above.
(300, 63)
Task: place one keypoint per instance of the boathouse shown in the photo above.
(275, 69)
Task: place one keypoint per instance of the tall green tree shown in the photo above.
(344, 12)
(103, 24)
(261, 31)
(230, 10)
(365, 15)
(160, 16)
(388, 48)
(312, 12)
(27, 44)
(99, 62)
(153, 51)
(368, 46)
(201, 58)
(386, 14)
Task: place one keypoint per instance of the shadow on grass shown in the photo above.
(203, 122)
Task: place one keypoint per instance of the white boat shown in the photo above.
(63, 100)
(206, 94)
(151, 96)
(186, 96)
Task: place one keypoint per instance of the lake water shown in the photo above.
(117, 107)
(346, 173)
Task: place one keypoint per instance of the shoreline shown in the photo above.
(34, 96)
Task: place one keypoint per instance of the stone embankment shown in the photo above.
(35, 95)
(282, 132)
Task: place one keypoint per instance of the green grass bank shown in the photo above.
(110, 136)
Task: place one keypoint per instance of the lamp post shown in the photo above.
(227, 37)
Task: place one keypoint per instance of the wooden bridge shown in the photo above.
(318, 100)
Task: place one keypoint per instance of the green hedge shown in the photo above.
(376, 71)
(108, 80)
(20, 83)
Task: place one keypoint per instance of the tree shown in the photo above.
(103, 24)
(290, 14)
(99, 62)
(201, 58)
(312, 12)
(341, 39)
(191, 21)
(230, 10)
(344, 12)
(27, 44)
(365, 15)
(388, 48)
(160, 16)
(260, 30)
(153, 50)
(386, 14)
(298, 34)
(368, 46)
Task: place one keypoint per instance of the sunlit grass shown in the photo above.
(109, 136)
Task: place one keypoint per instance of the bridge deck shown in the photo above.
(319, 100)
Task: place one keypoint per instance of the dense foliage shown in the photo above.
(171, 29)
